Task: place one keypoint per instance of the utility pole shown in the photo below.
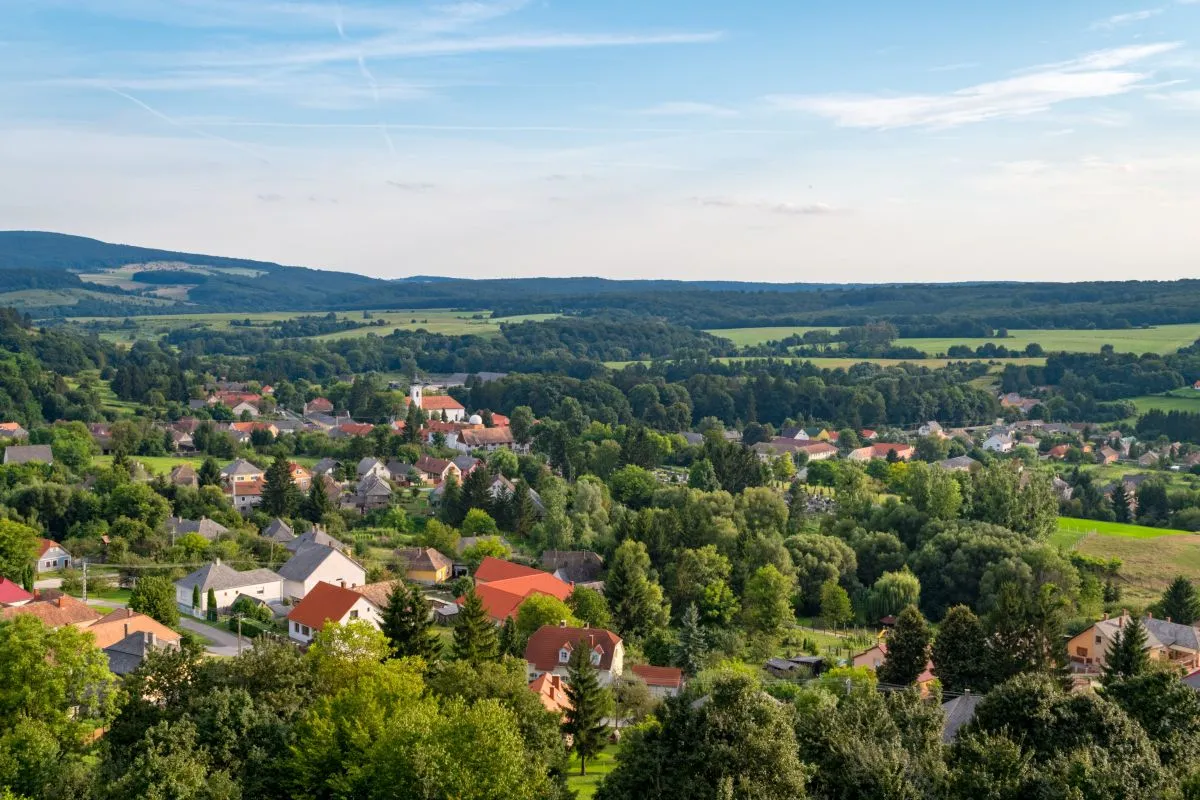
(85, 580)
(239, 621)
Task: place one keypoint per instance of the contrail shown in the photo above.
(366, 73)
(176, 123)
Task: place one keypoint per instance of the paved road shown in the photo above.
(219, 642)
(48, 583)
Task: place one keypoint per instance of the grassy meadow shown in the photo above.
(1160, 339)
(1150, 557)
(1180, 400)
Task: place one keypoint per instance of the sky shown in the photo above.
(772, 140)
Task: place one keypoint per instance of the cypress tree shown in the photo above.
(476, 490)
(907, 649)
(212, 606)
(28, 578)
(510, 641)
(1179, 602)
(407, 625)
(195, 598)
(524, 511)
(1127, 658)
(590, 703)
(475, 638)
(317, 504)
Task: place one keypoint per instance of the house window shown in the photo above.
(595, 658)
(354, 614)
(564, 655)
(262, 590)
(1098, 639)
(305, 630)
(296, 627)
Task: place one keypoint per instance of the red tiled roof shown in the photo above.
(319, 404)
(247, 427)
(437, 426)
(10, 427)
(497, 569)
(356, 428)
(480, 437)
(499, 420)
(816, 448)
(12, 593)
(324, 602)
(46, 545)
(115, 626)
(667, 677)
(439, 402)
(546, 642)
(246, 488)
(62, 610)
(431, 465)
(501, 599)
(552, 692)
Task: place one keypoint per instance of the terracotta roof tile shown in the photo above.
(667, 677)
(62, 610)
(546, 642)
(497, 569)
(118, 624)
(324, 602)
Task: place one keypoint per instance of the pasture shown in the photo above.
(846, 363)
(1175, 401)
(1160, 339)
(1150, 557)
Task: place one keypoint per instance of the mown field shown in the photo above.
(162, 465)
(445, 321)
(1150, 557)
(1180, 400)
(31, 299)
(1161, 339)
(846, 363)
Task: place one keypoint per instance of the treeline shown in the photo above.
(1177, 426)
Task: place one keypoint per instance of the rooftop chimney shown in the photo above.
(126, 628)
(343, 584)
(562, 623)
(58, 601)
(150, 638)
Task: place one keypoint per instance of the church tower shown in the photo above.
(415, 393)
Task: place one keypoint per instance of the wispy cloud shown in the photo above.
(186, 127)
(1093, 75)
(685, 108)
(790, 209)
(1117, 20)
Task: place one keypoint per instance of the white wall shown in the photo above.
(363, 609)
(267, 592)
(335, 569)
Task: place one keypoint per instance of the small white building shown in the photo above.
(245, 408)
(327, 603)
(52, 556)
(998, 443)
(316, 563)
(227, 583)
(931, 428)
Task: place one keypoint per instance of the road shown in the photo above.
(218, 642)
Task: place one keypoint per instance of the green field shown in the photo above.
(846, 363)
(1150, 557)
(1174, 401)
(1161, 339)
(444, 321)
(41, 298)
(597, 768)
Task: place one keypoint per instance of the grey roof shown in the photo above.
(315, 536)
(306, 560)
(399, 469)
(128, 654)
(221, 576)
(1172, 633)
(1193, 680)
(28, 453)
(375, 486)
(205, 527)
(241, 467)
(958, 463)
(324, 420)
(573, 566)
(279, 531)
(366, 465)
(466, 463)
(324, 465)
(694, 438)
(959, 712)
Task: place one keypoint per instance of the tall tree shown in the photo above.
(210, 472)
(317, 504)
(18, 548)
(1127, 656)
(590, 704)
(154, 596)
(521, 423)
(907, 649)
(407, 625)
(1180, 603)
(958, 652)
(279, 493)
(195, 598)
(524, 512)
(767, 601)
(635, 600)
(835, 605)
(691, 647)
(211, 613)
(474, 634)
(451, 509)
(1120, 504)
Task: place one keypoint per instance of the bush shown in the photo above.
(72, 582)
(249, 610)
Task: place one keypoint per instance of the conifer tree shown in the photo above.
(211, 615)
(279, 493)
(317, 504)
(590, 704)
(907, 649)
(1120, 504)
(692, 645)
(28, 578)
(407, 625)
(450, 509)
(210, 472)
(524, 512)
(475, 638)
(1179, 602)
(510, 641)
(195, 598)
(1127, 657)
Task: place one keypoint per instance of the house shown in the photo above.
(501, 487)
(1058, 452)
(959, 464)
(958, 712)
(371, 493)
(503, 586)
(901, 452)
(300, 476)
(13, 430)
(931, 428)
(347, 429)
(245, 407)
(817, 451)
(241, 471)
(552, 693)
(119, 623)
(326, 466)
(28, 454)
(868, 434)
(1014, 400)
(204, 526)
(234, 399)
(318, 405)
(51, 556)
(1150, 459)
(436, 470)
(278, 532)
(1106, 455)
(54, 612)
(372, 466)
(316, 536)
(998, 443)
(328, 602)
(316, 563)
(436, 405)
(663, 682)
(247, 428)
(181, 442)
(872, 657)
(486, 439)
(1166, 641)
(126, 655)
(549, 650)
(12, 594)
(184, 475)
(796, 667)
(573, 566)
(424, 565)
(378, 593)
(227, 583)
(466, 465)
(245, 496)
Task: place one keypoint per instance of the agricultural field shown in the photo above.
(1161, 339)
(1180, 400)
(1150, 557)
(444, 321)
(846, 363)
(29, 299)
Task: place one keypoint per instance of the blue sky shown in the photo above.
(763, 140)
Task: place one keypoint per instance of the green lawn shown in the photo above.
(1175, 401)
(1150, 557)
(1071, 531)
(597, 768)
(1161, 339)
(156, 465)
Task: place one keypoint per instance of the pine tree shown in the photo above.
(590, 703)
(1179, 602)
(407, 625)
(1127, 656)
(1120, 504)
(957, 652)
(475, 638)
(476, 490)
(907, 649)
(212, 606)
(317, 504)
(692, 646)
(636, 602)
(195, 598)
(510, 641)
(451, 510)
(279, 493)
(210, 472)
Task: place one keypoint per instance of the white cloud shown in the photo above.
(1093, 75)
(684, 108)
(1117, 20)
(791, 209)
(1187, 101)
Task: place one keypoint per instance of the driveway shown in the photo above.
(217, 642)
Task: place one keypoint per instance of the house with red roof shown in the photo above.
(552, 693)
(52, 556)
(12, 594)
(873, 657)
(54, 612)
(503, 586)
(12, 430)
(550, 648)
(318, 405)
(327, 603)
(902, 452)
(662, 682)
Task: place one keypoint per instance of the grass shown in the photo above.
(1072, 531)
(40, 298)
(1168, 402)
(1161, 339)
(1150, 557)
(846, 363)
(597, 768)
(157, 465)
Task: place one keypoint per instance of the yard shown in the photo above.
(585, 785)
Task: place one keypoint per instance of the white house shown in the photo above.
(241, 471)
(245, 408)
(486, 439)
(326, 603)
(998, 443)
(663, 682)
(435, 405)
(52, 556)
(227, 583)
(372, 466)
(931, 428)
(550, 647)
(317, 563)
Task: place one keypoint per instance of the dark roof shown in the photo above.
(423, 558)
(577, 566)
(279, 531)
(316, 536)
(221, 576)
(205, 527)
(373, 485)
(324, 465)
(399, 469)
(546, 642)
(367, 464)
(128, 654)
(466, 463)
(959, 712)
(28, 453)
(241, 467)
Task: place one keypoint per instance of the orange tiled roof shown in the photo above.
(551, 690)
(501, 599)
(667, 677)
(115, 626)
(325, 602)
(546, 642)
(62, 610)
(497, 569)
